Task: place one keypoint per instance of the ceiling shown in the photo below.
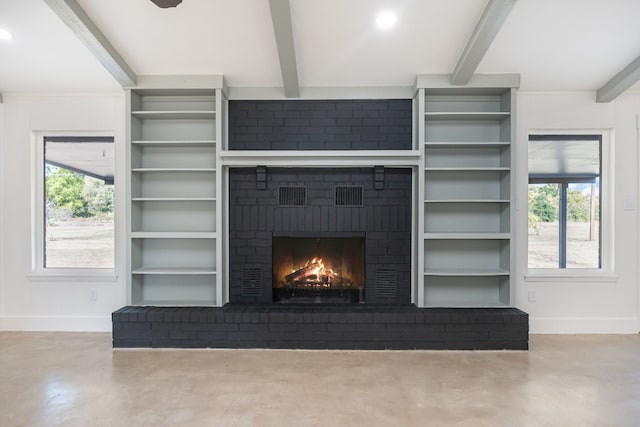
(556, 45)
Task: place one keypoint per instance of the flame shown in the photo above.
(320, 270)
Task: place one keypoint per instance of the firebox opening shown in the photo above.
(318, 269)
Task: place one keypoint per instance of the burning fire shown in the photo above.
(314, 274)
(315, 271)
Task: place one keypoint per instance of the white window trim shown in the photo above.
(38, 272)
(607, 272)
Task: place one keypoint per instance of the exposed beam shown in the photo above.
(620, 82)
(281, 18)
(70, 12)
(488, 26)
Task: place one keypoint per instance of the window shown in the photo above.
(565, 217)
(74, 204)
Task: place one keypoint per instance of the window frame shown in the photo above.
(605, 273)
(38, 270)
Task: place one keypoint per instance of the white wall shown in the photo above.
(1, 222)
(574, 305)
(53, 305)
(561, 306)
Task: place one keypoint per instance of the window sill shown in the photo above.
(66, 276)
(572, 277)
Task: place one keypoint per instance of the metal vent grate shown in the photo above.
(292, 196)
(348, 196)
(251, 282)
(386, 283)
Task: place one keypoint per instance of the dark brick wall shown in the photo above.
(384, 220)
(320, 125)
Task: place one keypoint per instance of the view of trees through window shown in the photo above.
(79, 211)
(583, 225)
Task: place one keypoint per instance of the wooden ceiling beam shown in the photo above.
(620, 82)
(283, 30)
(70, 12)
(494, 15)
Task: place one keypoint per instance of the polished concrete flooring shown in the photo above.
(76, 379)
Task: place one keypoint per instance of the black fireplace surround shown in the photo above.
(380, 217)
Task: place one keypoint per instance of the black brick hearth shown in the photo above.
(291, 326)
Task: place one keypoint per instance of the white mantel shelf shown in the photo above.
(337, 158)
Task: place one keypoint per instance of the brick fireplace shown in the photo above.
(381, 218)
(320, 255)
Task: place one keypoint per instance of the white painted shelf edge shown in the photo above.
(472, 169)
(175, 303)
(173, 199)
(467, 201)
(176, 143)
(467, 236)
(177, 114)
(467, 144)
(466, 115)
(174, 235)
(466, 272)
(174, 271)
(458, 304)
(144, 170)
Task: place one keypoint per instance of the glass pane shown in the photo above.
(583, 225)
(544, 231)
(79, 203)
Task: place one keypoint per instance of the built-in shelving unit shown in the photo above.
(174, 218)
(465, 211)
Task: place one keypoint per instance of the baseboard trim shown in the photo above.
(583, 325)
(56, 323)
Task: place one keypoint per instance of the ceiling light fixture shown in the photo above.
(166, 3)
(386, 20)
(5, 35)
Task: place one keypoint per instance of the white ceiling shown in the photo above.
(553, 44)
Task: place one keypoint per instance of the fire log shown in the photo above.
(301, 272)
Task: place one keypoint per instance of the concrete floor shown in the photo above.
(74, 379)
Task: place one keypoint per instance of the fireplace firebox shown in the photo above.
(318, 269)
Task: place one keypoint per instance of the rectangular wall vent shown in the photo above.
(348, 196)
(386, 283)
(292, 196)
(251, 282)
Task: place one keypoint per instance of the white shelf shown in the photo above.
(174, 235)
(175, 303)
(468, 144)
(467, 201)
(177, 114)
(466, 272)
(467, 236)
(471, 169)
(471, 115)
(174, 143)
(174, 271)
(146, 170)
(173, 199)
(462, 304)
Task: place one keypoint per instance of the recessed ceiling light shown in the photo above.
(5, 35)
(386, 20)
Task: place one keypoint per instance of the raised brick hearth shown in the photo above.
(292, 326)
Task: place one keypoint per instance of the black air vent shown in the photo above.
(251, 282)
(348, 196)
(386, 283)
(292, 196)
